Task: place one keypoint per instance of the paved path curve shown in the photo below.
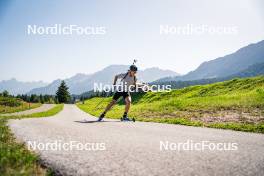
(134, 148)
(42, 108)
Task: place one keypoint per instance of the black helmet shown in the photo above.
(133, 68)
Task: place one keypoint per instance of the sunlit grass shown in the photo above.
(182, 105)
(22, 107)
(51, 112)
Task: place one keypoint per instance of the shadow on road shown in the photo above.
(93, 121)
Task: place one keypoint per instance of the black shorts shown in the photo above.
(117, 95)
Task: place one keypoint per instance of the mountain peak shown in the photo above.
(226, 65)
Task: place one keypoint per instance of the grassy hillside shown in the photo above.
(10, 104)
(236, 104)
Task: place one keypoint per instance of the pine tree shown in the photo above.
(5, 93)
(62, 94)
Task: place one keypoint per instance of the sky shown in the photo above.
(132, 31)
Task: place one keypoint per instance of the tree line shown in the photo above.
(62, 96)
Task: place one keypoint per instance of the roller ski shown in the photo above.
(126, 119)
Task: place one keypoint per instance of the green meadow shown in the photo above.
(236, 104)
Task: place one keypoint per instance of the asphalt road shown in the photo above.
(43, 107)
(127, 148)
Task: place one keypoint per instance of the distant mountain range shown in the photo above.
(15, 87)
(82, 83)
(225, 66)
(251, 71)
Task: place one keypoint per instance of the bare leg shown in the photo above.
(109, 106)
(128, 103)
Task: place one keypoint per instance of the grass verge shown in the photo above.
(50, 112)
(15, 159)
(22, 107)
